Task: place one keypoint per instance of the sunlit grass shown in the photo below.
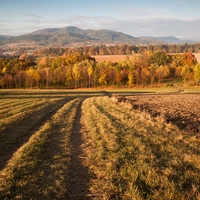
(39, 168)
(130, 154)
(149, 158)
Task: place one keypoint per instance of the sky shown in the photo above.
(179, 18)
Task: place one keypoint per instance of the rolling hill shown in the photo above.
(75, 36)
(168, 39)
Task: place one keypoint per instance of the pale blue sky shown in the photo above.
(180, 18)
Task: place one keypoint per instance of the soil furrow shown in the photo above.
(78, 177)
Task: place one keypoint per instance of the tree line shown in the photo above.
(119, 49)
(79, 70)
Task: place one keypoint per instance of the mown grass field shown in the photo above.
(82, 145)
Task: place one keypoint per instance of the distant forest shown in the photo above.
(75, 68)
(105, 49)
(119, 49)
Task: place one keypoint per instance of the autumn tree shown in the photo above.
(90, 71)
(32, 77)
(59, 76)
(152, 72)
(77, 57)
(145, 74)
(20, 79)
(102, 79)
(44, 62)
(159, 58)
(48, 76)
(8, 81)
(101, 74)
(1, 81)
(161, 72)
(189, 59)
(197, 73)
(69, 76)
(141, 62)
(118, 74)
(76, 74)
(57, 62)
(131, 75)
(130, 79)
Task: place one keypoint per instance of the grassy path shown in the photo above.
(78, 177)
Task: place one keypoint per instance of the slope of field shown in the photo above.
(82, 145)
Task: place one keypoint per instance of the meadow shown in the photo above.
(99, 144)
(115, 58)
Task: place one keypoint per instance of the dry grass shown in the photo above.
(135, 156)
(38, 170)
(113, 58)
(126, 153)
(17, 110)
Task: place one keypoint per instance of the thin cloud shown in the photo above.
(143, 26)
(137, 26)
(34, 21)
(80, 19)
(31, 15)
(160, 26)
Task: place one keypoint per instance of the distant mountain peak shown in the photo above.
(72, 35)
(72, 28)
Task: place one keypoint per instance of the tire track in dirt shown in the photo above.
(78, 177)
(20, 132)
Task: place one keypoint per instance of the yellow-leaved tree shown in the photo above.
(76, 73)
(90, 71)
(32, 77)
(161, 72)
(197, 73)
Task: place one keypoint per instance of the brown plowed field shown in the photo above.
(182, 110)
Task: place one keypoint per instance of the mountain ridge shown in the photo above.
(170, 39)
(72, 35)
